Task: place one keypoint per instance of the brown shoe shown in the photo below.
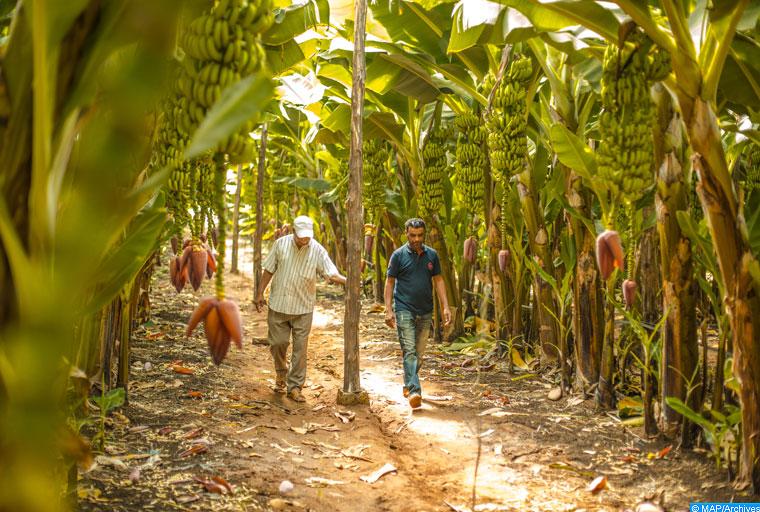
(280, 384)
(406, 393)
(295, 395)
(415, 401)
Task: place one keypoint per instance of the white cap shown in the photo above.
(303, 226)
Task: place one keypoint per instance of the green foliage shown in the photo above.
(237, 104)
(721, 430)
(110, 400)
(375, 175)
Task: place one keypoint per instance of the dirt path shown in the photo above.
(535, 454)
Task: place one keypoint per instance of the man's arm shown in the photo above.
(326, 267)
(266, 276)
(440, 290)
(337, 279)
(390, 320)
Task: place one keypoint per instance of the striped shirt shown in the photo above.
(294, 274)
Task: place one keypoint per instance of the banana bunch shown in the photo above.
(228, 34)
(375, 175)
(471, 161)
(625, 157)
(204, 192)
(280, 191)
(337, 177)
(248, 193)
(506, 121)
(222, 46)
(752, 174)
(179, 196)
(170, 141)
(434, 169)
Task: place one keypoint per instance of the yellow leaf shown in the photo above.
(517, 360)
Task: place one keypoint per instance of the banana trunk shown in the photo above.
(538, 242)
(735, 260)
(679, 336)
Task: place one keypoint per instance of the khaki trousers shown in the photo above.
(281, 326)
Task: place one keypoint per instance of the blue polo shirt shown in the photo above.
(414, 278)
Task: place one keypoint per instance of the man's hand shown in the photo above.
(390, 319)
(259, 303)
(446, 316)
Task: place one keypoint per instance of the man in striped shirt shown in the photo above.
(292, 266)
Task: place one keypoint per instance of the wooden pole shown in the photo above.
(351, 386)
(259, 209)
(236, 221)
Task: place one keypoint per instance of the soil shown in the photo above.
(531, 454)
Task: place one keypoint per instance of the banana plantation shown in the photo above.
(587, 174)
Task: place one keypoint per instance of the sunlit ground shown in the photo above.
(448, 436)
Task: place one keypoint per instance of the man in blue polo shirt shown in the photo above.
(412, 271)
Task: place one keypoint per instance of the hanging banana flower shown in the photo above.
(224, 46)
(220, 316)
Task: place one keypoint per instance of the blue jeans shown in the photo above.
(413, 332)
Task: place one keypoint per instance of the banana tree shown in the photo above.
(66, 251)
(572, 102)
(698, 62)
(678, 299)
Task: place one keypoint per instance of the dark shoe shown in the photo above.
(406, 392)
(415, 401)
(295, 395)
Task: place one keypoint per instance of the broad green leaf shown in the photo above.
(381, 76)
(572, 152)
(749, 18)
(559, 15)
(472, 22)
(339, 119)
(413, 25)
(720, 35)
(329, 137)
(455, 73)
(237, 104)
(283, 57)
(114, 34)
(377, 125)
(383, 125)
(401, 74)
(294, 20)
(687, 412)
(739, 84)
(123, 262)
(59, 16)
(336, 73)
